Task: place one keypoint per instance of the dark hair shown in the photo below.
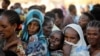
(46, 20)
(50, 14)
(43, 7)
(96, 11)
(94, 23)
(59, 12)
(34, 7)
(90, 16)
(71, 7)
(13, 17)
(10, 53)
(62, 37)
(7, 1)
(1, 11)
(17, 4)
(96, 6)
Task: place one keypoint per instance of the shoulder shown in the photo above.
(96, 53)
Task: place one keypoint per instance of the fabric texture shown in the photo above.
(57, 53)
(37, 47)
(80, 48)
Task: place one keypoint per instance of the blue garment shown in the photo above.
(36, 47)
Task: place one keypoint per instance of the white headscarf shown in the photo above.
(80, 48)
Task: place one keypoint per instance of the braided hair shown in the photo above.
(94, 23)
(13, 17)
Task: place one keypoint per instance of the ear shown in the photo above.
(14, 26)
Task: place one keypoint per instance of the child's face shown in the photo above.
(71, 35)
(33, 27)
(92, 34)
(83, 21)
(54, 41)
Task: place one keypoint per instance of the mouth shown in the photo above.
(91, 41)
(51, 45)
(1, 34)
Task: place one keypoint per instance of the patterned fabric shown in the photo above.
(37, 46)
(57, 53)
(20, 50)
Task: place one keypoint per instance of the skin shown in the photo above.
(74, 12)
(33, 27)
(58, 21)
(93, 35)
(5, 27)
(67, 49)
(4, 5)
(8, 32)
(48, 28)
(54, 41)
(71, 35)
(83, 21)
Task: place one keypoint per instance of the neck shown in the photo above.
(93, 48)
(12, 38)
(72, 14)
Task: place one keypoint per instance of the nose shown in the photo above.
(53, 40)
(1, 29)
(32, 27)
(68, 39)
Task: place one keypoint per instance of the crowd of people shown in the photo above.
(34, 32)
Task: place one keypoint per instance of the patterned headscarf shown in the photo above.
(33, 15)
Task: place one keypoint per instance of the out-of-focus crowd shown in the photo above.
(34, 32)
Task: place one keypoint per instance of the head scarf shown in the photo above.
(40, 45)
(29, 18)
(80, 48)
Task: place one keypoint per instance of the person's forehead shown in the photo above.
(3, 19)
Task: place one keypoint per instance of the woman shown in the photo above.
(93, 37)
(74, 37)
(85, 18)
(32, 34)
(9, 23)
(47, 26)
(56, 41)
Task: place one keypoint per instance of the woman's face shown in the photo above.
(92, 34)
(54, 41)
(48, 28)
(71, 35)
(33, 27)
(6, 29)
(83, 21)
(58, 21)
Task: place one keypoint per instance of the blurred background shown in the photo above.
(50, 4)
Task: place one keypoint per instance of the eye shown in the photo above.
(57, 40)
(66, 36)
(3, 26)
(72, 37)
